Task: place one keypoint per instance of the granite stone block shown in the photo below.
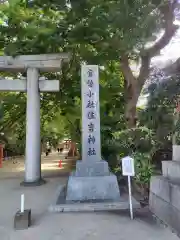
(176, 152)
(160, 187)
(175, 219)
(99, 168)
(175, 195)
(22, 220)
(166, 190)
(171, 169)
(159, 207)
(165, 212)
(92, 188)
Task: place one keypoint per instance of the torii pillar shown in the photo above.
(33, 64)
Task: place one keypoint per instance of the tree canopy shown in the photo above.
(113, 34)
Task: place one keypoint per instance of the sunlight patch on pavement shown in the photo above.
(46, 166)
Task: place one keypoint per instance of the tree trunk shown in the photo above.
(130, 113)
(133, 84)
(130, 108)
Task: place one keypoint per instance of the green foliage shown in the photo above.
(119, 144)
(61, 112)
(98, 30)
(136, 139)
(144, 168)
(95, 32)
(159, 113)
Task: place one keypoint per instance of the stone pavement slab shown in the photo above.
(14, 168)
(94, 226)
(67, 226)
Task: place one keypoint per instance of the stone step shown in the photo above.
(167, 190)
(60, 204)
(171, 169)
(93, 207)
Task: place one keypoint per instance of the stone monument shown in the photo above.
(92, 180)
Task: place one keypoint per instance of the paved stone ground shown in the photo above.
(49, 165)
(65, 226)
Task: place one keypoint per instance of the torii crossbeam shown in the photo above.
(33, 64)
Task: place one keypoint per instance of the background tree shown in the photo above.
(113, 34)
(79, 27)
(159, 112)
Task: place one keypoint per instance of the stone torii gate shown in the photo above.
(33, 85)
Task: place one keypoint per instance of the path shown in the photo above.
(49, 166)
(67, 226)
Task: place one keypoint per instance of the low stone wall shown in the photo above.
(164, 201)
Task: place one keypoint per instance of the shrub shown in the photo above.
(143, 167)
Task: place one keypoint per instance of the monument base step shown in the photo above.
(61, 205)
(92, 188)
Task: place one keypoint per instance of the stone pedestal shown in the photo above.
(39, 182)
(92, 182)
(22, 220)
(87, 169)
